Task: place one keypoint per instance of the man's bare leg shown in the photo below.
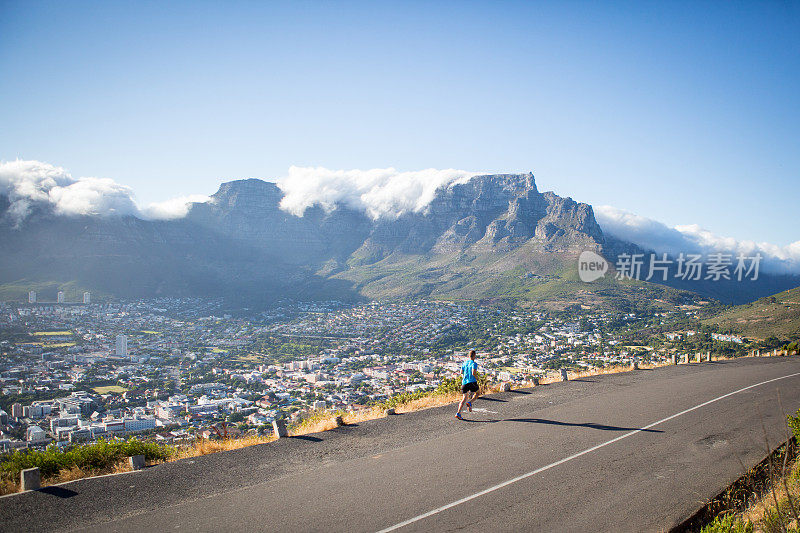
(472, 396)
(462, 402)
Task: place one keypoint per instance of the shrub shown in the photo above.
(794, 424)
(728, 523)
(402, 399)
(314, 418)
(98, 456)
(450, 385)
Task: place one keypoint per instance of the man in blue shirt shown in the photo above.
(469, 383)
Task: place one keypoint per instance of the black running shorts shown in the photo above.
(469, 387)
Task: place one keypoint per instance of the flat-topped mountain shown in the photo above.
(495, 211)
(490, 236)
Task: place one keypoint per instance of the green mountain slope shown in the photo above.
(777, 315)
(532, 274)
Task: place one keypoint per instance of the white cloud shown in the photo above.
(173, 208)
(26, 182)
(653, 235)
(93, 196)
(380, 192)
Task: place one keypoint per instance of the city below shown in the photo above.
(173, 370)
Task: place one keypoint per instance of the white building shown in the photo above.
(35, 411)
(140, 423)
(122, 346)
(257, 419)
(112, 425)
(63, 422)
(31, 297)
(87, 297)
(169, 411)
(35, 434)
(60, 297)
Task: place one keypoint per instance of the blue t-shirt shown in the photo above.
(468, 369)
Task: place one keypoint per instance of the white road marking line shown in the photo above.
(482, 410)
(573, 456)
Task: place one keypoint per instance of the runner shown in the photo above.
(469, 383)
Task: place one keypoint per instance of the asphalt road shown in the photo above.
(638, 451)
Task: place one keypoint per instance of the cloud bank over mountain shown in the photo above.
(28, 182)
(380, 192)
(653, 235)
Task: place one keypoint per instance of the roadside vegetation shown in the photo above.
(448, 391)
(776, 506)
(79, 461)
(107, 457)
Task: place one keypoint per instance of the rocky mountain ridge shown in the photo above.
(492, 236)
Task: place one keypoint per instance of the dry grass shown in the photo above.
(784, 486)
(76, 472)
(8, 486)
(429, 402)
(325, 423)
(207, 446)
(555, 377)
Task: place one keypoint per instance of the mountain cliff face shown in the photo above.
(488, 212)
(491, 211)
(248, 212)
(491, 236)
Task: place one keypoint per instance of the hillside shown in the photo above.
(777, 315)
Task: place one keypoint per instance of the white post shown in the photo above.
(30, 479)
(136, 462)
(279, 427)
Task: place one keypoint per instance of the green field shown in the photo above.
(250, 358)
(109, 389)
(52, 333)
(777, 315)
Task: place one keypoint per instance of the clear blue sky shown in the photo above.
(686, 112)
